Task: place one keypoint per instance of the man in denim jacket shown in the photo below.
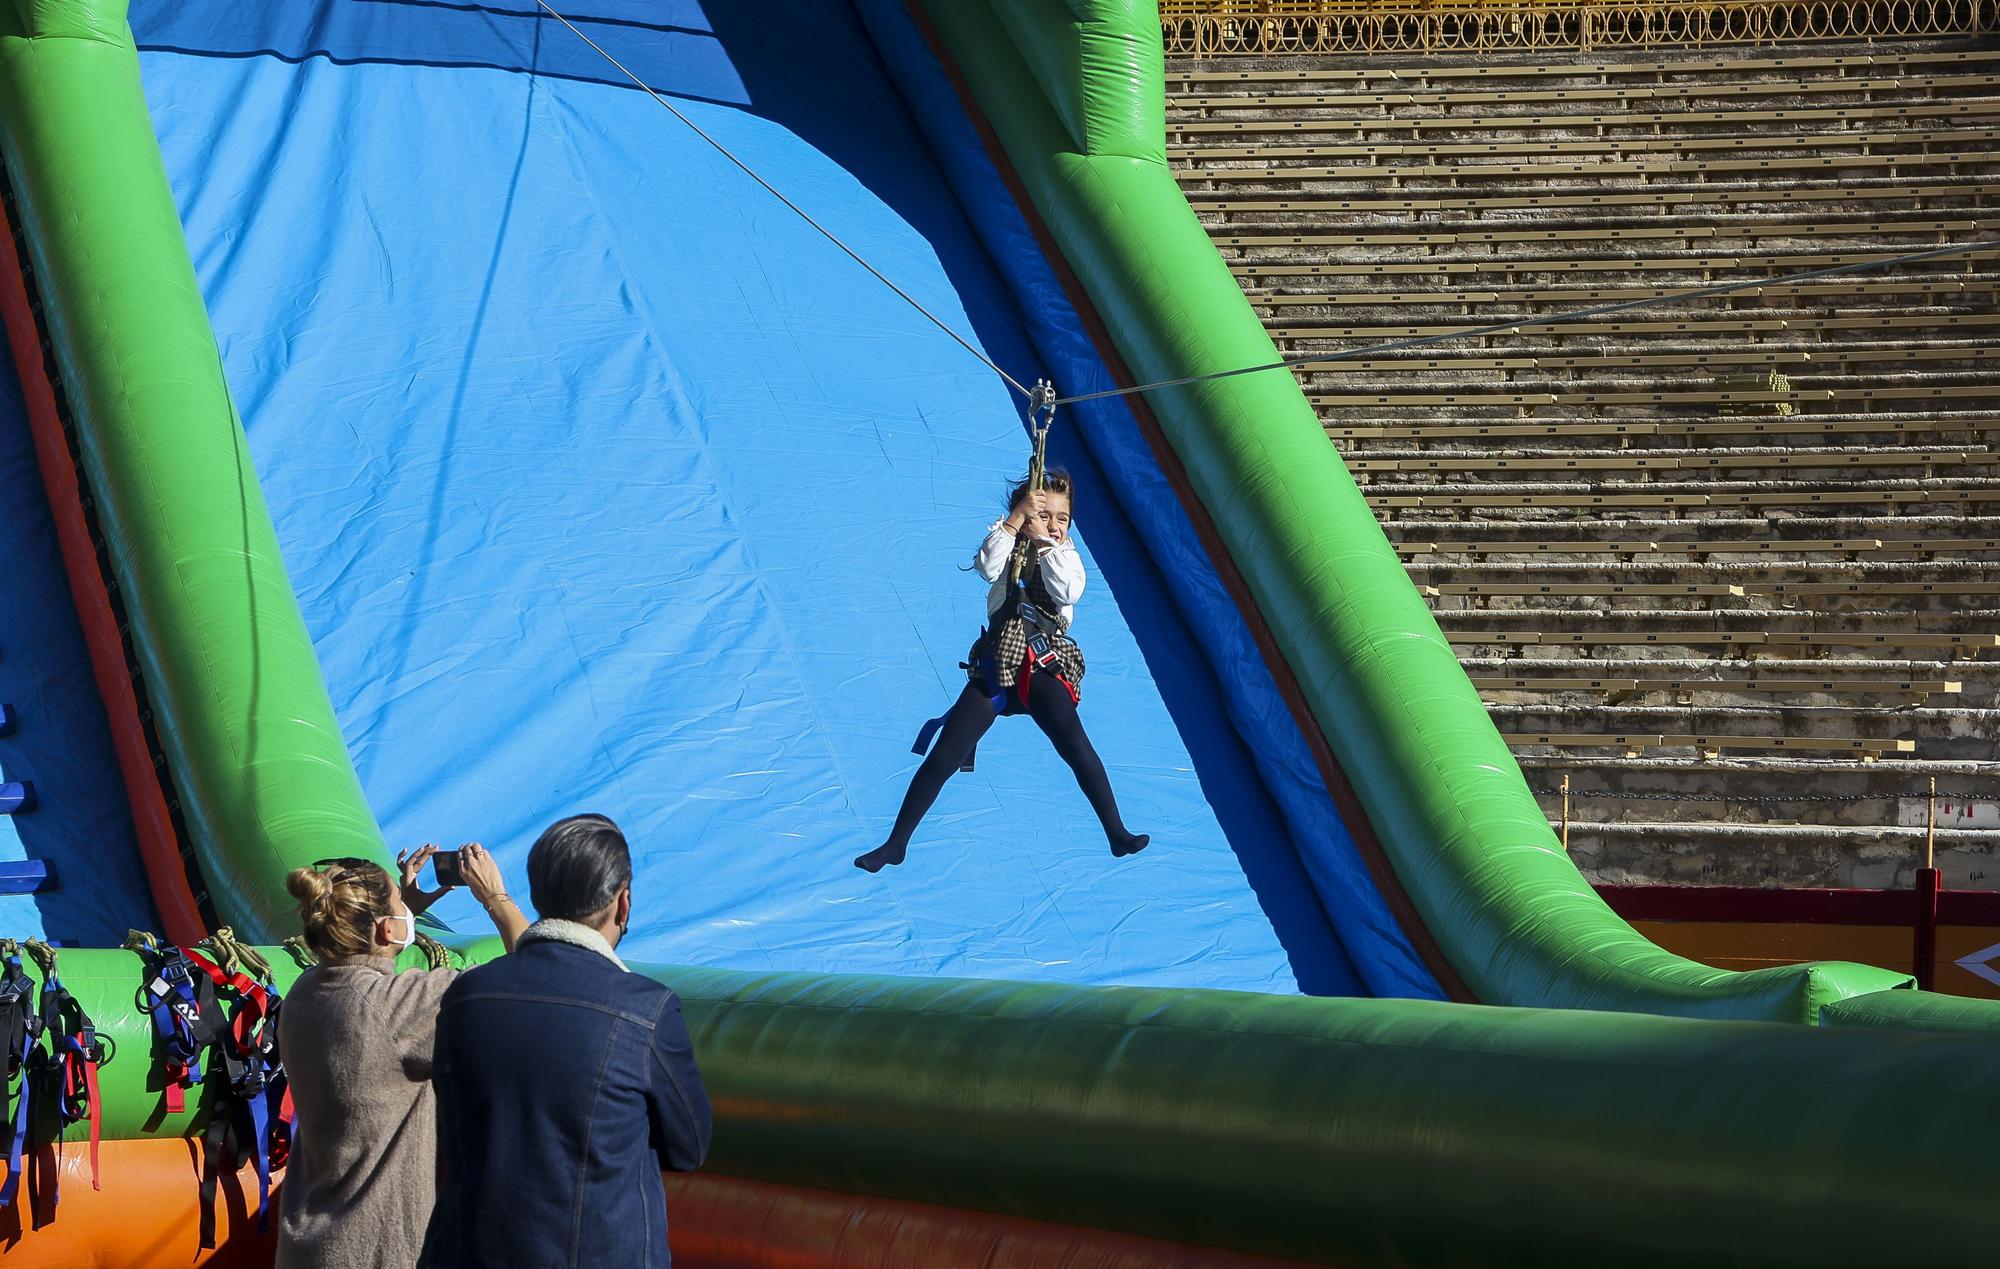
(566, 1084)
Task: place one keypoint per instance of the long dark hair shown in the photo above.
(1055, 480)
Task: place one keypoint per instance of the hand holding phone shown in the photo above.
(445, 863)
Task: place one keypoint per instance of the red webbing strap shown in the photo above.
(281, 1142)
(1028, 668)
(253, 1002)
(79, 1076)
(242, 984)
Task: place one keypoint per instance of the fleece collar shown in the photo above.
(574, 933)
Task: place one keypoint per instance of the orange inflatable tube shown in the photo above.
(146, 1214)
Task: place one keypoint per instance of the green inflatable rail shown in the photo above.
(1350, 1132)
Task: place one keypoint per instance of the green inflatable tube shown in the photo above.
(1474, 852)
(1352, 1132)
(1915, 1011)
(263, 776)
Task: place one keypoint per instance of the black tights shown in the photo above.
(1049, 704)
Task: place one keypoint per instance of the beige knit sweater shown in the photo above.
(356, 1040)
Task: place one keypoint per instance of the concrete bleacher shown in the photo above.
(1730, 565)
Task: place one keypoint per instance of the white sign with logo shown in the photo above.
(1950, 814)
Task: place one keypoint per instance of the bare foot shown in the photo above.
(1131, 845)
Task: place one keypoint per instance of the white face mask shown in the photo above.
(409, 930)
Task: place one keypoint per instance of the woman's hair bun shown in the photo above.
(308, 885)
(338, 906)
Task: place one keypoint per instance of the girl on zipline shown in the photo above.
(1024, 662)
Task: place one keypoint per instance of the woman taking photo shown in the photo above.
(356, 1038)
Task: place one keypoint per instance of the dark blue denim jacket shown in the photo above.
(565, 1087)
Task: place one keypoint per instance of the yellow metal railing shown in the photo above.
(1208, 28)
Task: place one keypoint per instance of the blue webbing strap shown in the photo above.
(20, 1055)
(13, 1184)
(51, 1005)
(998, 699)
(174, 1005)
(260, 1114)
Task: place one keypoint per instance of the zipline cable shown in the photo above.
(1027, 394)
(1523, 323)
(1041, 397)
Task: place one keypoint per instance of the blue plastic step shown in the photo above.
(27, 876)
(17, 796)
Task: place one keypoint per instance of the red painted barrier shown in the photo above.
(1950, 939)
(1926, 928)
(159, 844)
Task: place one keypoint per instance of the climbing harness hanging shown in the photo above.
(186, 1017)
(75, 1052)
(20, 1031)
(257, 1096)
(220, 1006)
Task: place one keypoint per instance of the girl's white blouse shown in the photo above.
(1062, 569)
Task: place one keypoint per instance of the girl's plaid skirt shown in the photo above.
(1009, 637)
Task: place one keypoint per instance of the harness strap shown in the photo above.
(24, 1032)
(995, 695)
(175, 1005)
(250, 1059)
(260, 1140)
(284, 1130)
(219, 1136)
(12, 1186)
(74, 1055)
(242, 984)
(96, 1114)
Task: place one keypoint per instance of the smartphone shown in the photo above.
(445, 862)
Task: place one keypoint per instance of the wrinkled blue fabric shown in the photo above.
(607, 484)
(1300, 856)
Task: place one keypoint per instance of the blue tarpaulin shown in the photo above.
(607, 483)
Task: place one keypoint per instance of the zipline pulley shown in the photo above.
(1041, 416)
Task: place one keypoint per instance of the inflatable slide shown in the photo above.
(452, 416)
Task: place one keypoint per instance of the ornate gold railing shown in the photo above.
(1208, 28)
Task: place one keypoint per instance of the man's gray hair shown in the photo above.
(577, 867)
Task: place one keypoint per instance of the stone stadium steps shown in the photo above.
(1714, 548)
